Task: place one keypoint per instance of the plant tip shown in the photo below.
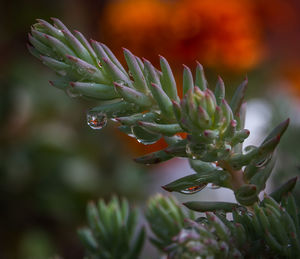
(165, 188)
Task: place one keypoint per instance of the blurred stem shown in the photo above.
(236, 175)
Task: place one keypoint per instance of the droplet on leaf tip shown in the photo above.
(193, 189)
(96, 120)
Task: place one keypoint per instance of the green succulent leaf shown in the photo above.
(204, 206)
(111, 231)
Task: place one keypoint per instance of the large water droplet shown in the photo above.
(193, 189)
(96, 120)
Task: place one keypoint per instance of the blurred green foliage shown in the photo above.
(51, 164)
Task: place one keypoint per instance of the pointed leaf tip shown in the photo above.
(278, 131)
(239, 96)
(200, 79)
(185, 66)
(205, 206)
(166, 188)
(284, 189)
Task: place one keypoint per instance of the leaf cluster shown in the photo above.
(112, 231)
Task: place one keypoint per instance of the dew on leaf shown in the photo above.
(96, 120)
(263, 162)
(143, 136)
(193, 189)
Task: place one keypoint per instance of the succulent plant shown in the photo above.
(111, 232)
(146, 103)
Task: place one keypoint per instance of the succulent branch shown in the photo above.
(145, 102)
(166, 219)
(270, 231)
(112, 231)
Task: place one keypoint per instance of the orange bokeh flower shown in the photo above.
(219, 33)
(136, 25)
(216, 32)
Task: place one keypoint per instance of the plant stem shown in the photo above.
(236, 175)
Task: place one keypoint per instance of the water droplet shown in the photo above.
(263, 162)
(213, 186)
(96, 120)
(71, 92)
(143, 136)
(193, 189)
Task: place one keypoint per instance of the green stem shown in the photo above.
(236, 175)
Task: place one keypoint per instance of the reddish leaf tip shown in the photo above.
(74, 59)
(117, 85)
(175, 103)
(233, 123)
(185, 66)
(166, 188)
(154, 85)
